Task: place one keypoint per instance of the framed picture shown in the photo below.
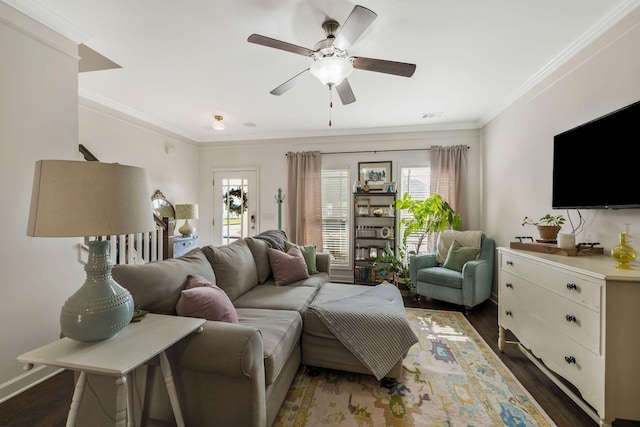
(389, 187)
(373, 252)
(375, 174)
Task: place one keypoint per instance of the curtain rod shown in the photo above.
(378, 151)
(374, 151)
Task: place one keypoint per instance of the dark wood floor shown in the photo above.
(47, 404)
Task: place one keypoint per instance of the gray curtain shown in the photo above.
(304, 201)
(449, 176)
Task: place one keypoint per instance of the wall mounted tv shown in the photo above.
(595, 165)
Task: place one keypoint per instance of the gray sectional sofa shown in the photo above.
(230, 374)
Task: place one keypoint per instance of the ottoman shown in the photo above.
(357, 328)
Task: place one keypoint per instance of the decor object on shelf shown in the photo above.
(187, 212)
(375, 174)
(624, 253)
(429, 216)
(548, 226)
(218, 124)
(91, 199)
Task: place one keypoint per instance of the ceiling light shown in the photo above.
(331, 70)
(218, 124)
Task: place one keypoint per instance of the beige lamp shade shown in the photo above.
(187, 211)
(82, 199)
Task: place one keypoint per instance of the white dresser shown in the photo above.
(580, 318)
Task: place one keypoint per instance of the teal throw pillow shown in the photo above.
(459, 255)
(308, 253)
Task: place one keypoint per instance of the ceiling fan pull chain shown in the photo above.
(330, 103)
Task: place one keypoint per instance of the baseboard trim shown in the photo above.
(29, 379)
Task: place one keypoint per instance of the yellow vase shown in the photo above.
(623, 253)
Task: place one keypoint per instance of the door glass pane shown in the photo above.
(234, 197)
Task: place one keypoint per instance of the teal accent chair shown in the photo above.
(468, 288)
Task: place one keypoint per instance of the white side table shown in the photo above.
(118, 356)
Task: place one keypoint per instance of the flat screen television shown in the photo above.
(595, 165)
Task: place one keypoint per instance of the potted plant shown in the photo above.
(429, 216)
(548, 226)
(395, 268)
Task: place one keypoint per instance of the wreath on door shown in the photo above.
(232, 200)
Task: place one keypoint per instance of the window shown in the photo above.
(336, 200)
(416, 182)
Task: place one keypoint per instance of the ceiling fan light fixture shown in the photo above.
(218, 124)
(331, 70)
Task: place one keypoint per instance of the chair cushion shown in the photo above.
(157, 286)
(471, 238)
(201, 298)
(441, 276)
(259, 248)
(459, 255)
(280, 330)
(308, 253)
(287, 267)
(234, 267)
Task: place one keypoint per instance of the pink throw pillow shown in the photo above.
(200, 298)
(287, 267)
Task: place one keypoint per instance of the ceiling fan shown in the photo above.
(331, 61)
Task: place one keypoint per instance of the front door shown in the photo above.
(234, 205)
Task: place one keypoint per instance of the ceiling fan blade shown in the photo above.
(357, 22)
(382, 66)
(345, 92)
(279, 44)
(288, 84)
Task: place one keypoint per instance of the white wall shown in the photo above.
(38, 120)
(269, 158)
(519, 142)
(115, 138)
(42, 118)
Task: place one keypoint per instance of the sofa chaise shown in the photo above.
(237, 373)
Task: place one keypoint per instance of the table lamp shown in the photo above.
(187, 212)
(95, 200)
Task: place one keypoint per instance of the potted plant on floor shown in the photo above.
(548, 226)
(395, 268)
(429, 216)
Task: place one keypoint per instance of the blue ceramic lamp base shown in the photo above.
(101, 307)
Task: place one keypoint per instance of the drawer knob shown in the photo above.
(570, 359)
(508, 313)
(510, 263)
(570, 318)
(572, 286)
(509, 285)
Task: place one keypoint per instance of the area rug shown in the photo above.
(450, 378)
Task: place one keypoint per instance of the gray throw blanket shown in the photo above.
(275, 238)
(373, 325)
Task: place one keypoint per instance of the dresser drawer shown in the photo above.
(182, 245)
(573, 362)
(572, 285)
(558, 313)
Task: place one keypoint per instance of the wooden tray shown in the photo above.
(552, 248)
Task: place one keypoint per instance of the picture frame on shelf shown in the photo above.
(375, 174)
(389, 187)
(373, 252)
